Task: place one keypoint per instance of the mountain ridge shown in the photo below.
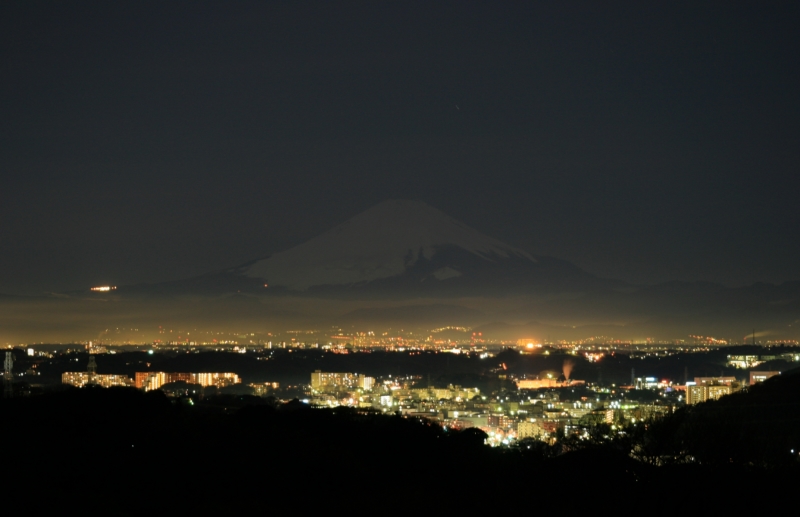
(405, 264)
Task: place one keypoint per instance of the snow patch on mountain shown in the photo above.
(380, 243)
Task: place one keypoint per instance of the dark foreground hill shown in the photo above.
(758, 427)
(123, 451)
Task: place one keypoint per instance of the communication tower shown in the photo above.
(91, 369)
(8, 376)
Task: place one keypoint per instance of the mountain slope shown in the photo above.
(383, 242)
(400, 247)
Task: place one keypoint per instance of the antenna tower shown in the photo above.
(91, 370)
(8, 376)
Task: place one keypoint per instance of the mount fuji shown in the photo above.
(388, 240)
(397, 248)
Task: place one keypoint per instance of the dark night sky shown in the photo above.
(152, 141)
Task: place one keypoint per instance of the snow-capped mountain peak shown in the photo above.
(380, 243)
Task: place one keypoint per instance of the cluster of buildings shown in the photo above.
(540, 414)
(751, 361)
(712, 388)
(538, 408)
(146, 380)
(526, 414)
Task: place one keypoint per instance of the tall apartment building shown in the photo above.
(326, 380)
(81, 379)
(154, 380)
(529, 430)
(502, 421)
(220, 380)
(366, 383)
(701, 393)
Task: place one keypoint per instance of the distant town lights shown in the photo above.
(104, 288)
